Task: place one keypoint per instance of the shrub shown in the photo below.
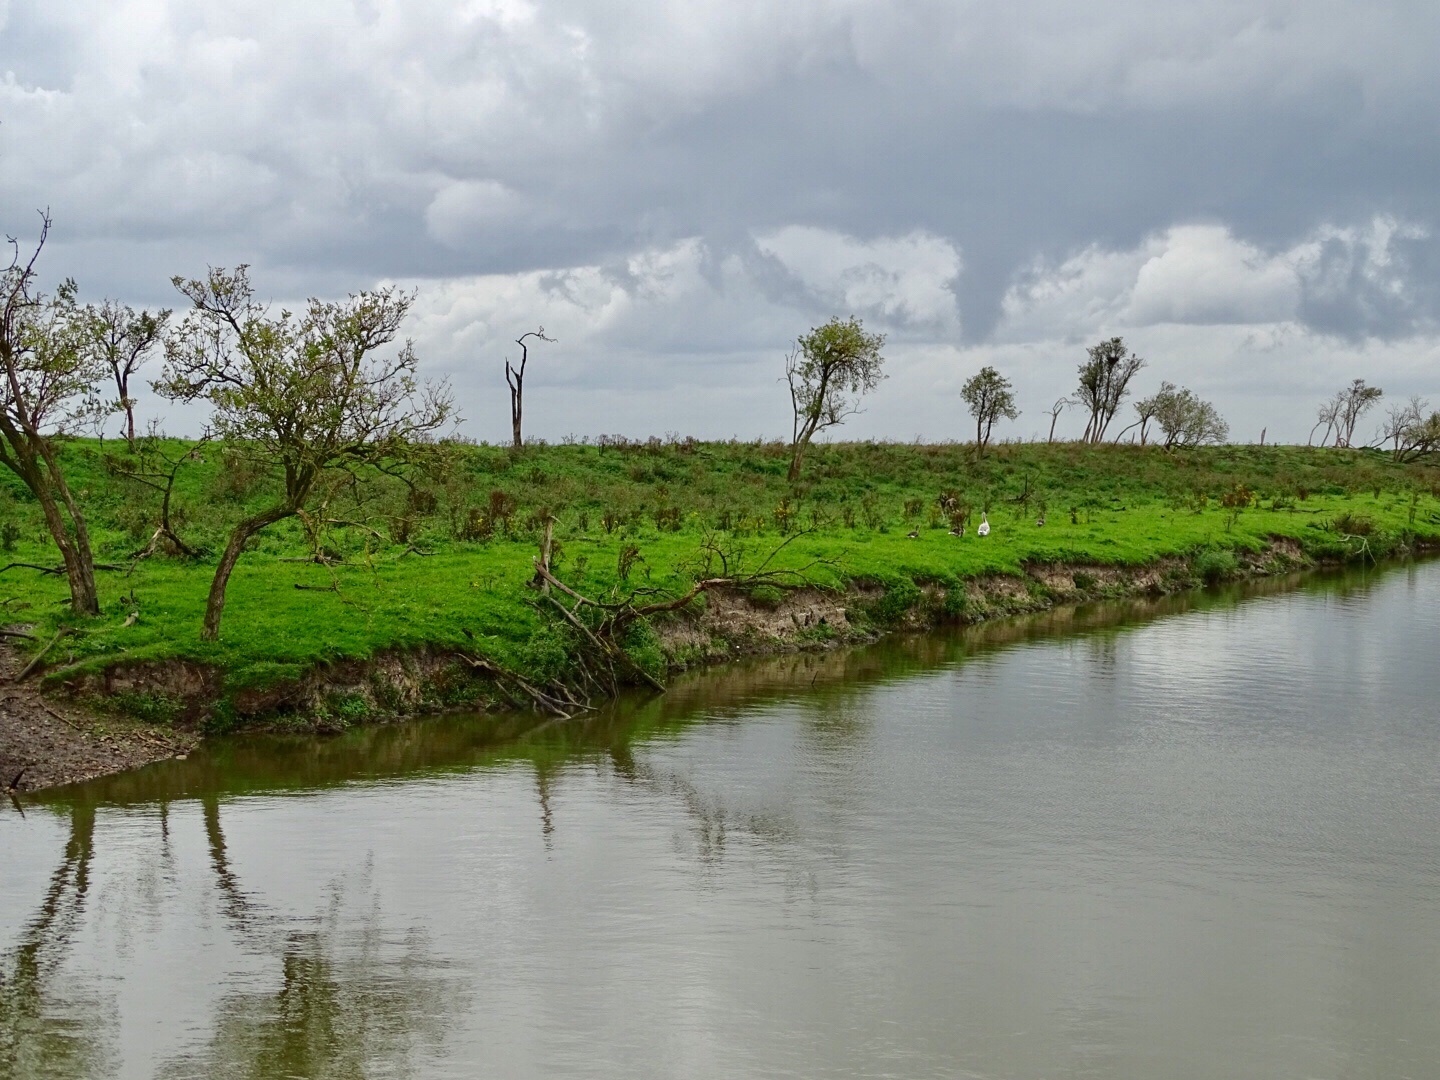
(1213, 566)
(1354, 524)
(900, 596)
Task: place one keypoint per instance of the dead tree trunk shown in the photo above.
(515, 379)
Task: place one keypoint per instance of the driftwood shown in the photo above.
(600, 663)
(64, 631)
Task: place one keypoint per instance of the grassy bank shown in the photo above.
(443, 561)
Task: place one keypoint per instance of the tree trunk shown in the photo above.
(795, 460)
(517, 400)
(979, 438)
(215, 603)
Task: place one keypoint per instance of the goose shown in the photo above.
(983, 529)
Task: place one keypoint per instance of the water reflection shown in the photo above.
(44, 1030)
(1104, 842)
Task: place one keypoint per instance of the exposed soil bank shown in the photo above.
(44, 743)
(72, 733)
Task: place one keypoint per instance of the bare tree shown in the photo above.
(990, 397)
(1104, 382)
(1410, 431)
(1055, 411)
(50, 383)
(1145, 410)
(153, 465)
(122, 340)
(515, 378)
(305, 396)
(828, 369)
(1327, 415)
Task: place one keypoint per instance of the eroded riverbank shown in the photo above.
(61, 741)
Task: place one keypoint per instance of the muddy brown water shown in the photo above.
(1192, 838)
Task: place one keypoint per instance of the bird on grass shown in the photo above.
(983, 529)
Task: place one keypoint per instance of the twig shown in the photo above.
(62, 719)
(332, 587)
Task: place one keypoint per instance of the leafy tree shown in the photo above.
(1355, 401)
(1185, 420)
(989, 397)
(828, 369)
(122, 340)
(304, 395)
(515, 379)
(1104, 382)
(48, 387)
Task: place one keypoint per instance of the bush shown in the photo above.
(1354, 525)
(956, 603)
(1213, 567)
(900, 596)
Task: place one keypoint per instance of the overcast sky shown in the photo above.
(1248, 192)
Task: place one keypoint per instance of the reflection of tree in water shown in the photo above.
(352, 998)
(41, 1033)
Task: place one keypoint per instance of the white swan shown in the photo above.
(983, 529)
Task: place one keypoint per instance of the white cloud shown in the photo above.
(904, 280)
(1203, 274)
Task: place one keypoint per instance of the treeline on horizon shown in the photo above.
(323, 408)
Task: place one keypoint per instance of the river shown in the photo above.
(1194, 838)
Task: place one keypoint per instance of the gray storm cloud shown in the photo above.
(1243, 189)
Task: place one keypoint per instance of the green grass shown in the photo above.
(855, 509)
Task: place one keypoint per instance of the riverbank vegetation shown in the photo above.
(444, 555)
(331, 514)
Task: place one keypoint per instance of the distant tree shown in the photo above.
(122, 340)
(1410, 431)
(49, 386)
(989, 397)
(1355, 401)
(1185, 420)
(828, 370)
(1055, 411)
(1326, 416)
(515, 378)
(1145, 410)
(1104, 382)
(306, 396)
(1342, 413)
